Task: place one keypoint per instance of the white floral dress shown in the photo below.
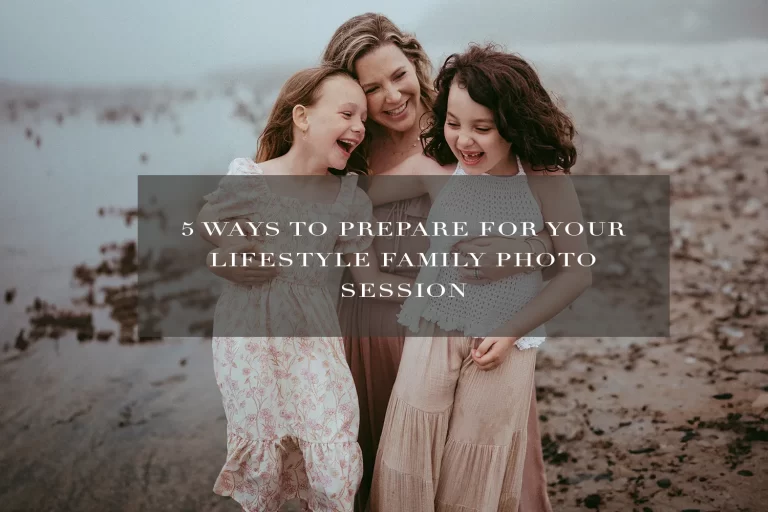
(291, 406)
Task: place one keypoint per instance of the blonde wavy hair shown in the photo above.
(362, 34)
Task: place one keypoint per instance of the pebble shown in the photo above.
(752, 207)
(731, 331)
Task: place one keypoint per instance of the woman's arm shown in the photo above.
(372, 274)
(489, 269)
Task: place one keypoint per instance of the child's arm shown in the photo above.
(208, 215)
(372, 274)
(559, 204)
(225, 208)
(253, 273)
(232, 203)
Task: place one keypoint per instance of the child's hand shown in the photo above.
(492, 351)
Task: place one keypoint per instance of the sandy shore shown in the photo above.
(110, 427)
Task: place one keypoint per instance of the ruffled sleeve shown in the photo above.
(239, 191)
(360, 210)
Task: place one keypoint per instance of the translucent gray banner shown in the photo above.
(298, 228)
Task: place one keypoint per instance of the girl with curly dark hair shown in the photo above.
(456, 428)
(523, 113)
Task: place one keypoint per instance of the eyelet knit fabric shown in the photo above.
(485, 307)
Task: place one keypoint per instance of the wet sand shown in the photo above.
(110, 427)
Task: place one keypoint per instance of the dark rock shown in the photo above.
(593, 501)
(638, 451)
(688, 436)
(551, 451)
(104, 335)
(21, 341)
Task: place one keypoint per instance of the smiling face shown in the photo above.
(336, 121)
(473, 137)
(391, 87)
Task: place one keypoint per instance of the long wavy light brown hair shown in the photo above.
(524, 113)
(303, 88)
(362, 34)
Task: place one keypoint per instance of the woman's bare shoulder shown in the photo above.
(419, 165)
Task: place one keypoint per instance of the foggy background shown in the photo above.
(91, 42)
(95, 93)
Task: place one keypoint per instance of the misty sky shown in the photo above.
(71, 42)
(91, 42)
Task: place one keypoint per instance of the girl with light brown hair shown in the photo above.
(288, 395)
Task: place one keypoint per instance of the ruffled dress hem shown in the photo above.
(262, 474)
